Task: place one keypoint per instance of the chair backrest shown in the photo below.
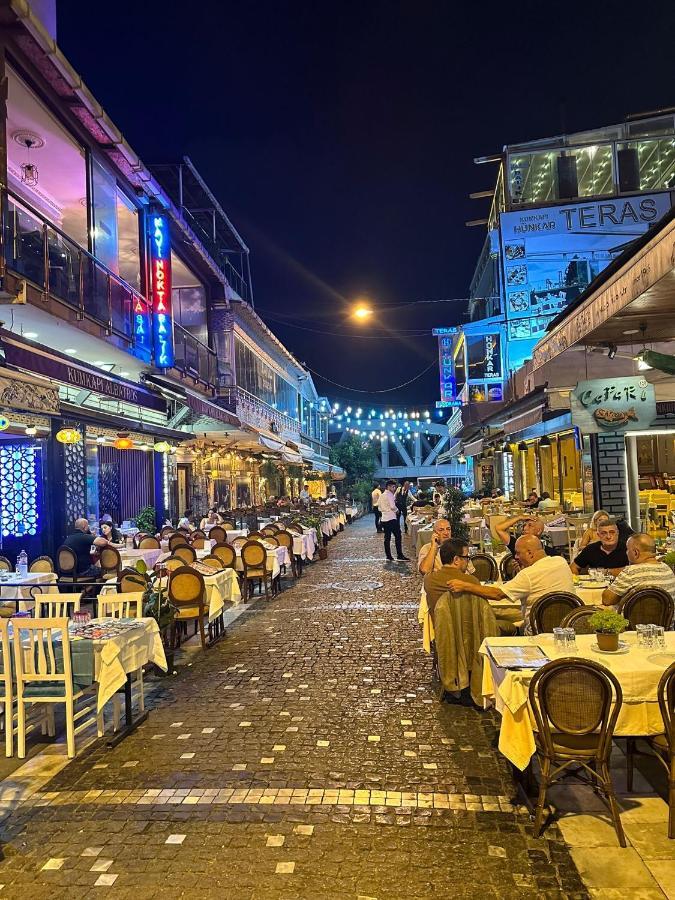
(285, 539)
(575, 697)
(149, 543)
(131, 580)
(239, 542)
(66, 561)
(42, 564)
(485, 567)
(173, 563)
(197, 533)
(166, 532)
(226, 554)
(55, 606)
(138, 537)
(6, 687)
(666, 696)
(548, 611)
(579, 619)
(214, 562)
(5, 564)
(186, 553)
(648, 606)
(268, 529)
(177, 540)
(271, 540)
(120, 606)
(509, 567)
(229, 526)
(252, 535)
(198, 543)
(41, 656)
(110, 560)
(218, 534)
(294, 527)
(186, 588)
(253, 555)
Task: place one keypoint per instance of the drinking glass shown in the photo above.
(559, 639)
(570, 639)
(642, 632)
(658, 637)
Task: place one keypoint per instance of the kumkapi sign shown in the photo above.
(613, 405)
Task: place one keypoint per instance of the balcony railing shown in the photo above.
(254, 411)
(38, 251)
(193, 356)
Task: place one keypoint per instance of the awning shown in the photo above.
(335, 472)
(291, 457)
(306, 452)
(473, 448)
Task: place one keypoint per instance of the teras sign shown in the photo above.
(162, 320)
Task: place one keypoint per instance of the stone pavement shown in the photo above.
(304, 756)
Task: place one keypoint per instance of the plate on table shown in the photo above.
(623, 648)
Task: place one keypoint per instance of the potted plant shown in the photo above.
(608, 626)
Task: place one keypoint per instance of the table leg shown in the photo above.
(130, 724)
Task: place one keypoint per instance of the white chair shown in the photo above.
(44, 675)
(7, 698)
(57, 606)
(124, 606)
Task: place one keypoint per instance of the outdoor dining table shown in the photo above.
(638, 671)
(15, 588)
(304, 545)
(130, 557)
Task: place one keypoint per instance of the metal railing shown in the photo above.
(254, 411)
(35, 249)
(193, 356)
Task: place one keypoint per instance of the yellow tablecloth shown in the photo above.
(638, 672)
(115, 657)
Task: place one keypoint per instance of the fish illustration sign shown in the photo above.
(613, 404)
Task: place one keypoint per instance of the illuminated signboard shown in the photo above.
(162, 320)
(446, 368)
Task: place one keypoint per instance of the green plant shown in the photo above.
(608, 622)
(669, 559)
(453, 502)
(156, 603)
(356, 457)
(361, 491)
(146, 520)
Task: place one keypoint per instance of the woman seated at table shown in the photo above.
(108, 531)
(609, 552)
(212, 519)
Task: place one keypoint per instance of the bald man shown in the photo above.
(643, 570)
(80, 542)
(531, 525)
(539, 574)
(428, 559)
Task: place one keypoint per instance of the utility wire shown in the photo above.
(380, 391)
(412, 332)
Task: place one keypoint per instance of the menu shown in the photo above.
(518, 656)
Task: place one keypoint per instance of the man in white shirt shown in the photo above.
(428, 559)
(389, 518)
(539, 574)
(304, 495)
(374, 498)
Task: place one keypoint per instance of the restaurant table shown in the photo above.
(165, 554)
(304, 546)
(638, 672)
(558, 534)
(15, 588)
(130, 557)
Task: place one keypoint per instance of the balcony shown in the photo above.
(256, 412)
(193, 357)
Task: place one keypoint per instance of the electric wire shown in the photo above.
(373, 391)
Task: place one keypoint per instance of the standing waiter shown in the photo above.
(387, 506)
(374, 498)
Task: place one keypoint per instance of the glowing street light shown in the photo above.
(362, 312)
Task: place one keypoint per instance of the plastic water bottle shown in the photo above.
(22, 564)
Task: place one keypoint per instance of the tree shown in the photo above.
(356, 458)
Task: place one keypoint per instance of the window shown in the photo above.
(256, 377)
(188, 296)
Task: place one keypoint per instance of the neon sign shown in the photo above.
(162, 320)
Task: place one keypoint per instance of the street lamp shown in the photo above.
(361, 312)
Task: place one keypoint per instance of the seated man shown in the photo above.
(532, 526)
(428, 559)
(454, 560)
(539, 574)
(546, 502)
(80, 542)
(644, 570)
(607, 553)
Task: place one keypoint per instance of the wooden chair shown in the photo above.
(254, 561)
(198, 543)
(486, 568)
(229, 526)
(661, 745)
(42, 564)
(197, 534)
(149, 543)
(226, 554)
(6, 687)
(508, 567)
(548, 611)
(271, 540)
(5, 564)
(172, 563)
(66, 565)
(44, 674)
(111, 562)
(54, 605)
(218, 534)
(579, 619)
(239, 542)
(185, 552)
(285, 539)
(131, 580)
(121, 606)
(648, 606)
(214, 562)
(138, 537)
(177, 540)
(166, 532)
(269, 530)
(252, 535)
(294, 527)
(575, 703)
(187, 594)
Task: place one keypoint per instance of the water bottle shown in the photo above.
(22, 564)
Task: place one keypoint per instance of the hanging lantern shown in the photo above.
(162, 447)
(4, 423)
(123, 442)
(68, 436)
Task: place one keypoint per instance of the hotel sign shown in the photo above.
(613, 405)
(160, 291)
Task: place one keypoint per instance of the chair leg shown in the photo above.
(70, 729)
(141, 690)
(9, 730)
(630, 753)
(117, 712)
(606, 781)
(21, 728)
(543, 785)
(201, 632)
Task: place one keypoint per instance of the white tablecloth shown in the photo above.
(276, 558)
(18, 586)
(130, 557)
(117, 656)
(304, 546)
(637, 671)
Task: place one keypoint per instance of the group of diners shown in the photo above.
(609, 545)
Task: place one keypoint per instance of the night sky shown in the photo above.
(340, 139)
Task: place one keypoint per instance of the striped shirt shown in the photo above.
(642, 575)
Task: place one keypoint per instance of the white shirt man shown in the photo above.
(375, 496)
(389, 518)
(387, 505)
(429, 559)
(374, 499)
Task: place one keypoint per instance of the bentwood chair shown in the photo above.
(187, 594)
(177, 540)
(131, 580)
(548, 611)
(229, 526)
(271, 540)
(186, 553)
(579, 619)
(239, 542)
(485, 566)
(252, 535)
(285, 539)
(110, 561)
(41, 564)
(294, 527)
(166, 532)
(149, 543)
(5, 564)
(648, 606)
(138, 537)
(197, 533)
(213, 562)
(508, 567)
(254, 561)
(226, 554)
(66, 564)
(662, 745)
(172, 563)
(576, 703)
(218, 534)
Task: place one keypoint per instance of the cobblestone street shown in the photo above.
(303, 756)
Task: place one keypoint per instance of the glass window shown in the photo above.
(653, 164)
(188, 296)
(129, 254)
(104, 216)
